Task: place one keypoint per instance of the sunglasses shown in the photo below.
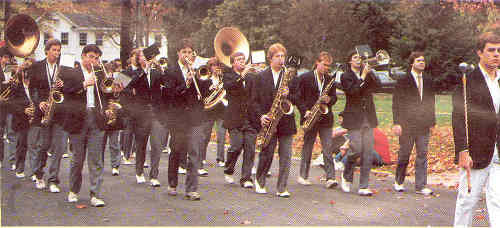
(493, 50)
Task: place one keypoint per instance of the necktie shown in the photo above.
(419, 85)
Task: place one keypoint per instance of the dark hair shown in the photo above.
(50, 43)
(76, 62)
(414, 55)
(324, 55)
(5, 51)
(185, 43)
(91, 48)
(487, 37)
(350, 54)
(234, 55)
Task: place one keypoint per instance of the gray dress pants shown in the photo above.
(266, 159)
(361, 147)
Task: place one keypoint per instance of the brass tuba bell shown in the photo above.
(22, 35)
(230, 40)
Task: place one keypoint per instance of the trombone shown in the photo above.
(190, 70)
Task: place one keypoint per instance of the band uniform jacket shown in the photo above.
(75, 101)
(408, 110)
(237, 95)
(359, 100)
(308, 94)
(262, 96)
(147, 97)
(186, 110)
(3, 106)
(482, 121)
(39, 85)
(17, 104)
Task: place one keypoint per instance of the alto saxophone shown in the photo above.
(278, 108)
(318, 108)
(55, 97)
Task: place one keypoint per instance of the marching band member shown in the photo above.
(43, 77)
(360, 118)
(145, 114)
(413, 108)
(86, 120)
(185, 118)
(476, 142)
(310, 89)
(242, 133)
(5, 115)
(267, 85)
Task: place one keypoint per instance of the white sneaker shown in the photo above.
(155, 182)
(248, 184)
(65, 155)
(166, 150)
(40, 184)
(425, 191)
(254, 170)
(72, 197)
(284, 194)
(115, 172)
(258, 189)
(269, 173)
(345, 185)
(220, 164)
(365, 192)
(303, 181)
(54, 189)
(33, 178)
(398, 187)
(318, 161)
(127, 161)
(229, 178)
(20, 175)
(182, 170)
(204, 162)
(13, 167)
(331, 183)
(94, 201)
(140, 179)
(202, 172)
(339, 166)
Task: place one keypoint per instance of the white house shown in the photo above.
(77, 30)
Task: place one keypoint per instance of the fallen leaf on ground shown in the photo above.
(332, 202)
(80, 206)
(479, 217)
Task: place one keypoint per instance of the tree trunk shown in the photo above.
(125, 39)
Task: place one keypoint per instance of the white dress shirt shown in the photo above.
(90, 89)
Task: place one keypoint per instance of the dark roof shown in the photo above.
(90, 21)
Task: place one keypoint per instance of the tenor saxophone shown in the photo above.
(55, 97)
(319, 108)
(278, 108)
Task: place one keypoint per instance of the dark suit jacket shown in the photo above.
(39, 84)
(185, 110)
(308, 94)
(408, 110)
(482, 121)
(238, 98)
(75, 101)
(262, 97)
(359, 100)
(147, 95)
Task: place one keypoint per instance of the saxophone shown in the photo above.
(55, 97)
(280, 106)
(318, 108)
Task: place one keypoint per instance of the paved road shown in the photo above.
(223, 204)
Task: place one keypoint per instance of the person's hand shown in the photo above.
(265, 120)
(118, 87)
(365, 72)
(325, 99)
(465, 160)
(396, 129)
(89, 82)
(44, 106)
(308, 113)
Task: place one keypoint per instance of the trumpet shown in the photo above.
(381, 58)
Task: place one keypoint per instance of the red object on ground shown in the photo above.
(381, 145)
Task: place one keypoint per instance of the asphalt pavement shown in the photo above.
(222, 204)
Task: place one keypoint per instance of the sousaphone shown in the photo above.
(228, 41)
(21, 35)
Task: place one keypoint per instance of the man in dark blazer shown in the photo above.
(311, 86)
(186, 115)
(237, 84)
(263, 94)
(44, 75)
(360, 118)
(86, 120)
(476, 142)
(147, 114)
(413, 110)
(4, 83)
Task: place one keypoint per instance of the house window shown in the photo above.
(83, 38)
(98, 39)
(46, 37)
(158, 39)
(64, 38)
